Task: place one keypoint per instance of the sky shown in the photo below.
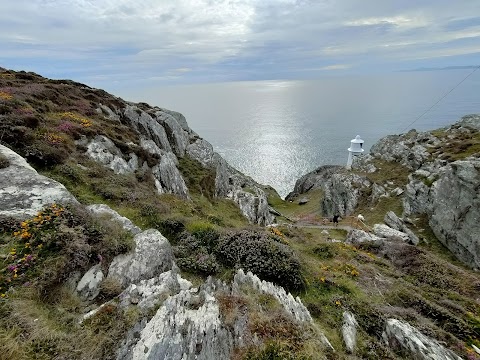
(119, 43)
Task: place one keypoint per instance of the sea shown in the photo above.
(278, 130)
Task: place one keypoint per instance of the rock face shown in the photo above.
(401, 335)
(23, 192)
(342, 189)
(190, 325)
(153, 255)
(104, 151)
(166, 135)
(455, 210)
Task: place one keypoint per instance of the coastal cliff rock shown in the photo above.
(153, 255)
(193, 324)
(166, 135)
(24, 192)
(399, 334)
(341, 189)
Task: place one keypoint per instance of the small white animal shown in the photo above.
(360, 218)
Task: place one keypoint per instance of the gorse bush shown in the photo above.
(257, 252)
(46, 249)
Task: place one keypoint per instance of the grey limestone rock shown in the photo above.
(400, 334)
(359, 236)
(149, 293)
(455, 210)
(388, 233)
(178, 117)
(88, 287)
(342, 189)
(187, 326)
(23, 192)
(178, 137)
(152, 256)
(104, 151)
(147, 126)
(349, 331)
(392, 220)
(110, 114)
(292, 305)
(168, 177)
(202, 151)
(471, 121)
(105, 210)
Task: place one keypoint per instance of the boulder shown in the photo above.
(392, 220)
(88, 287)
(360, 236)
(349, 331)
(387, 232)
(105, 210)
(401, 335)
(152, 256)
(23, 192)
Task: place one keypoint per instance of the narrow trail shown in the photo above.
(331, 227)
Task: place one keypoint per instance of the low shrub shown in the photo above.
(4, 162)
(255, 251)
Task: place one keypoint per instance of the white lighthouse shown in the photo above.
(356, 148)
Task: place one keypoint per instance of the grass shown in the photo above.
(292, 210)
(456, 145)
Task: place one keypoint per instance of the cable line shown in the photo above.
(443, 97)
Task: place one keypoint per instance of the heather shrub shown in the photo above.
(255, 251)
(193, 255)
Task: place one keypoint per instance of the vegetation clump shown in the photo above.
(257, 252)
(4, 162)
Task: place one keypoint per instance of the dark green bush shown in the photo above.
(4, 162)
(171, 229)
(256, 252)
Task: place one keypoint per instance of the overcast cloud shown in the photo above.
(122, 42)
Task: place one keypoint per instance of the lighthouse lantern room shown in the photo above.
(356, 148)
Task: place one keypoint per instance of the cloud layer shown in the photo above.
(164, 41)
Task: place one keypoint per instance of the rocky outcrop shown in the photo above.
(190, 324)
(230, 183)
(165, 134)
(342, 189)
(103, 150)
(387, 232)
(23, 192)
(187, 326)
(153, 255)
(149, 293)
(402, 336)
(105, 210)
(408, 150)
(292, 305)
(168, 178)
(349, 331)
(455, 210)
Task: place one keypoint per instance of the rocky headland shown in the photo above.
(120, 226)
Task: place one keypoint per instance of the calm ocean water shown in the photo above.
(276, 131)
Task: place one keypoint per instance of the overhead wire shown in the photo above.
(439, 100)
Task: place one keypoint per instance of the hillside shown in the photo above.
(120, 226)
